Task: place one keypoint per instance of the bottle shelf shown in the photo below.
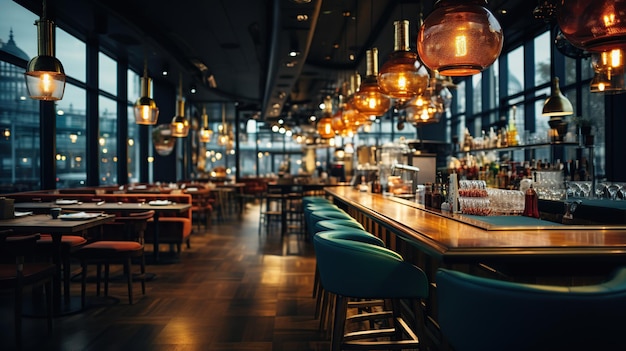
(520, 147)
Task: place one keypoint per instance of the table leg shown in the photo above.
(155, 238)
(56, 282)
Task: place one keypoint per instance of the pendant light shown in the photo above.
(180, 124)
(225, 137)
(460, 38)
(45, 77)
(163, 140)
(557, 105)
(324, 124)
(205, 132)
(402, 76)
(146, 110)
(593, 25)
(609, 70)
(369, 99)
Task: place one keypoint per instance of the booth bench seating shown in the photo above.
(174, 227)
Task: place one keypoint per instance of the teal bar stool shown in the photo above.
(320, 215)
(307, 209)
(333, 224)
(348, 230)
(476, 313)
(314, 199)
(352, 269)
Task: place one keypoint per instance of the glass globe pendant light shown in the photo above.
(145, 109)
(180, 124)
(593, 25)
(459, 38)
(369, 99)
(205, 132)
(609, 71)
(163, 140)
(402, 76)
(45, 77)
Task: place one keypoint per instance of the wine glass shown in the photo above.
(613, 189)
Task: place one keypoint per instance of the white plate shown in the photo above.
(159, 203)
(66, 202)
(22, 214)
(78, 216)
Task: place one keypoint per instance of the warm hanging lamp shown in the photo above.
(402, 76)
(45, 77)
(163, 140)
(557, 105)
(593, 25)
(146, 110)
(180, 124)
(205, 132)
(324, 124)
(225, 137)
(460, 38)
(609, 71)
(369, 99)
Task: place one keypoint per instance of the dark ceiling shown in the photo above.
(242, 45)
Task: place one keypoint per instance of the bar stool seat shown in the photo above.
(352, 269)
(476, 313)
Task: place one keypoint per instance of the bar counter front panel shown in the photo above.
(511, 248)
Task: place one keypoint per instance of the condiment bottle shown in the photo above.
(531, 203)
(428, 195)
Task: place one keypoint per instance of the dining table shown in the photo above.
(56, 227)
(112, 208)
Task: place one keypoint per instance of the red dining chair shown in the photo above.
(24, 272)
(107, 252)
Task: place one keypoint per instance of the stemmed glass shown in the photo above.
(613, 189)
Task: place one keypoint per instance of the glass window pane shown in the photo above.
(133, 128)
(107, 74)
(108, 141)
(542, 58)
(19, 132)
(515, 69)
(71, 138)
(73, 55)
(17, 30)
(477, 93)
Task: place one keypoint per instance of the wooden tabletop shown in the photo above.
(101, 206)
(460, 238)
(45, 223)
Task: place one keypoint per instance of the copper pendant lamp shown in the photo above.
(593, 25)
(460, 38)
(324, 124)
(369, 99)
(402, 76)
(609, 71)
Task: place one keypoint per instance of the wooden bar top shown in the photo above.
(458, 238)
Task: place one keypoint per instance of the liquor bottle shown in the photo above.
(512, 138)
(531, 203)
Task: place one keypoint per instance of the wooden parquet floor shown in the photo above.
(232, 290)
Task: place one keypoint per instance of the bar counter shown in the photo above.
(515, 247)
(510, 248)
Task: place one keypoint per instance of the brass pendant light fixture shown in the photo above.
(225, 135)
(460, 38)
(180, 124)
(557, 105)
(369, 99)
(146, 110)
(609, 71)
(45, 77)
(205, 131)
(402, 76)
